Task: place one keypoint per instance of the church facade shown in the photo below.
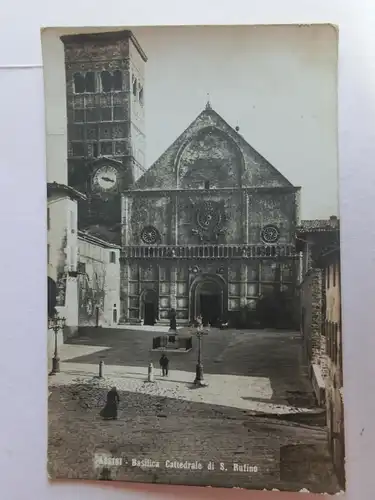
(207, 230)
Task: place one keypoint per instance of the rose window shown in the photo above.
(149, 235)
(270, 234)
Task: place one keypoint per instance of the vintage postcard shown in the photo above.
(194, 315)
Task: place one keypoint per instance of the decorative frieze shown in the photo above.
(210, 251)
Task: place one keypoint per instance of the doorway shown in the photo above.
(149, 314)
(149, 307)
(210, 308)
(208, 297)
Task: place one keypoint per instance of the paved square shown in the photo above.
(253, 377)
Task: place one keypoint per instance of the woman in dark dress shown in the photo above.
(109, 412)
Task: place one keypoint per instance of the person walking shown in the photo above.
(109, 412)
(164, 365)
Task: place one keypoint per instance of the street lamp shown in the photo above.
(199, 367)
(56, 323)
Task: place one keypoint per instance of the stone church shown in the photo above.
(208, 229)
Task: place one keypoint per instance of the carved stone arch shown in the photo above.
(201, 134)
(218, 283)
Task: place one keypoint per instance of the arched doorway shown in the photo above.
(149, 307)
(208, 298)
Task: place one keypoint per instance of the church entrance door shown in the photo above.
(150, 314)
(210, 309)
(208, 298)
(149, 307)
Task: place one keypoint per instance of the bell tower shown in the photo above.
(106, 123)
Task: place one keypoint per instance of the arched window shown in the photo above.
(135, 85)
(79, 83)
(90, 81)
(117, 80)
(106, 81)
(141, 97)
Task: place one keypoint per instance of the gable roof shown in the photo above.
(162, 174)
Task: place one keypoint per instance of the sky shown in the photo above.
(277, 83)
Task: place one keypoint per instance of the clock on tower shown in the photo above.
(105, 180)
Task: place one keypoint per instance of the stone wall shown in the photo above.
(312, 314)
(311, 304)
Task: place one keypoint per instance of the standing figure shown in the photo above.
(164, 365)
(172, 320)
(109, 412)
(199, 322)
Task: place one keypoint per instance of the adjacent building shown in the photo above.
(330, 263)
(98, 281)
(83, 270)
(62, 250)
(320, 300)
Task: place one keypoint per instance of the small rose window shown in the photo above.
(149, 235)
(270, 234)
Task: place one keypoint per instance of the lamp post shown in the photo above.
(199, 380)
(56, 324)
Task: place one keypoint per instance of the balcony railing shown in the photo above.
(209, 251)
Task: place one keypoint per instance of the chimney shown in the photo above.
(333, 220)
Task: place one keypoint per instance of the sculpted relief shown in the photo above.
(210, 218)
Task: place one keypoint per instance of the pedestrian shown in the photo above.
(164, 365)
(109, 412)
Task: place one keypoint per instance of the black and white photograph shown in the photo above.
(194, 287)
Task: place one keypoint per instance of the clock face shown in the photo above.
(105, 178)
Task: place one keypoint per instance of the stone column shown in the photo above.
(243, 284)
(174, 219)
(125, 220)
(245, 202)
(173, 287)
(125, 271)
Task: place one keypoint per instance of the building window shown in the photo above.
(78, 149)
(78, 115)
(106, 148)
(112, 257)
(106, 78)
(79, 83)
(117, 80)
(135, 85)
(48, 219)
(206, 184)
(90, 81)
(84, 82)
